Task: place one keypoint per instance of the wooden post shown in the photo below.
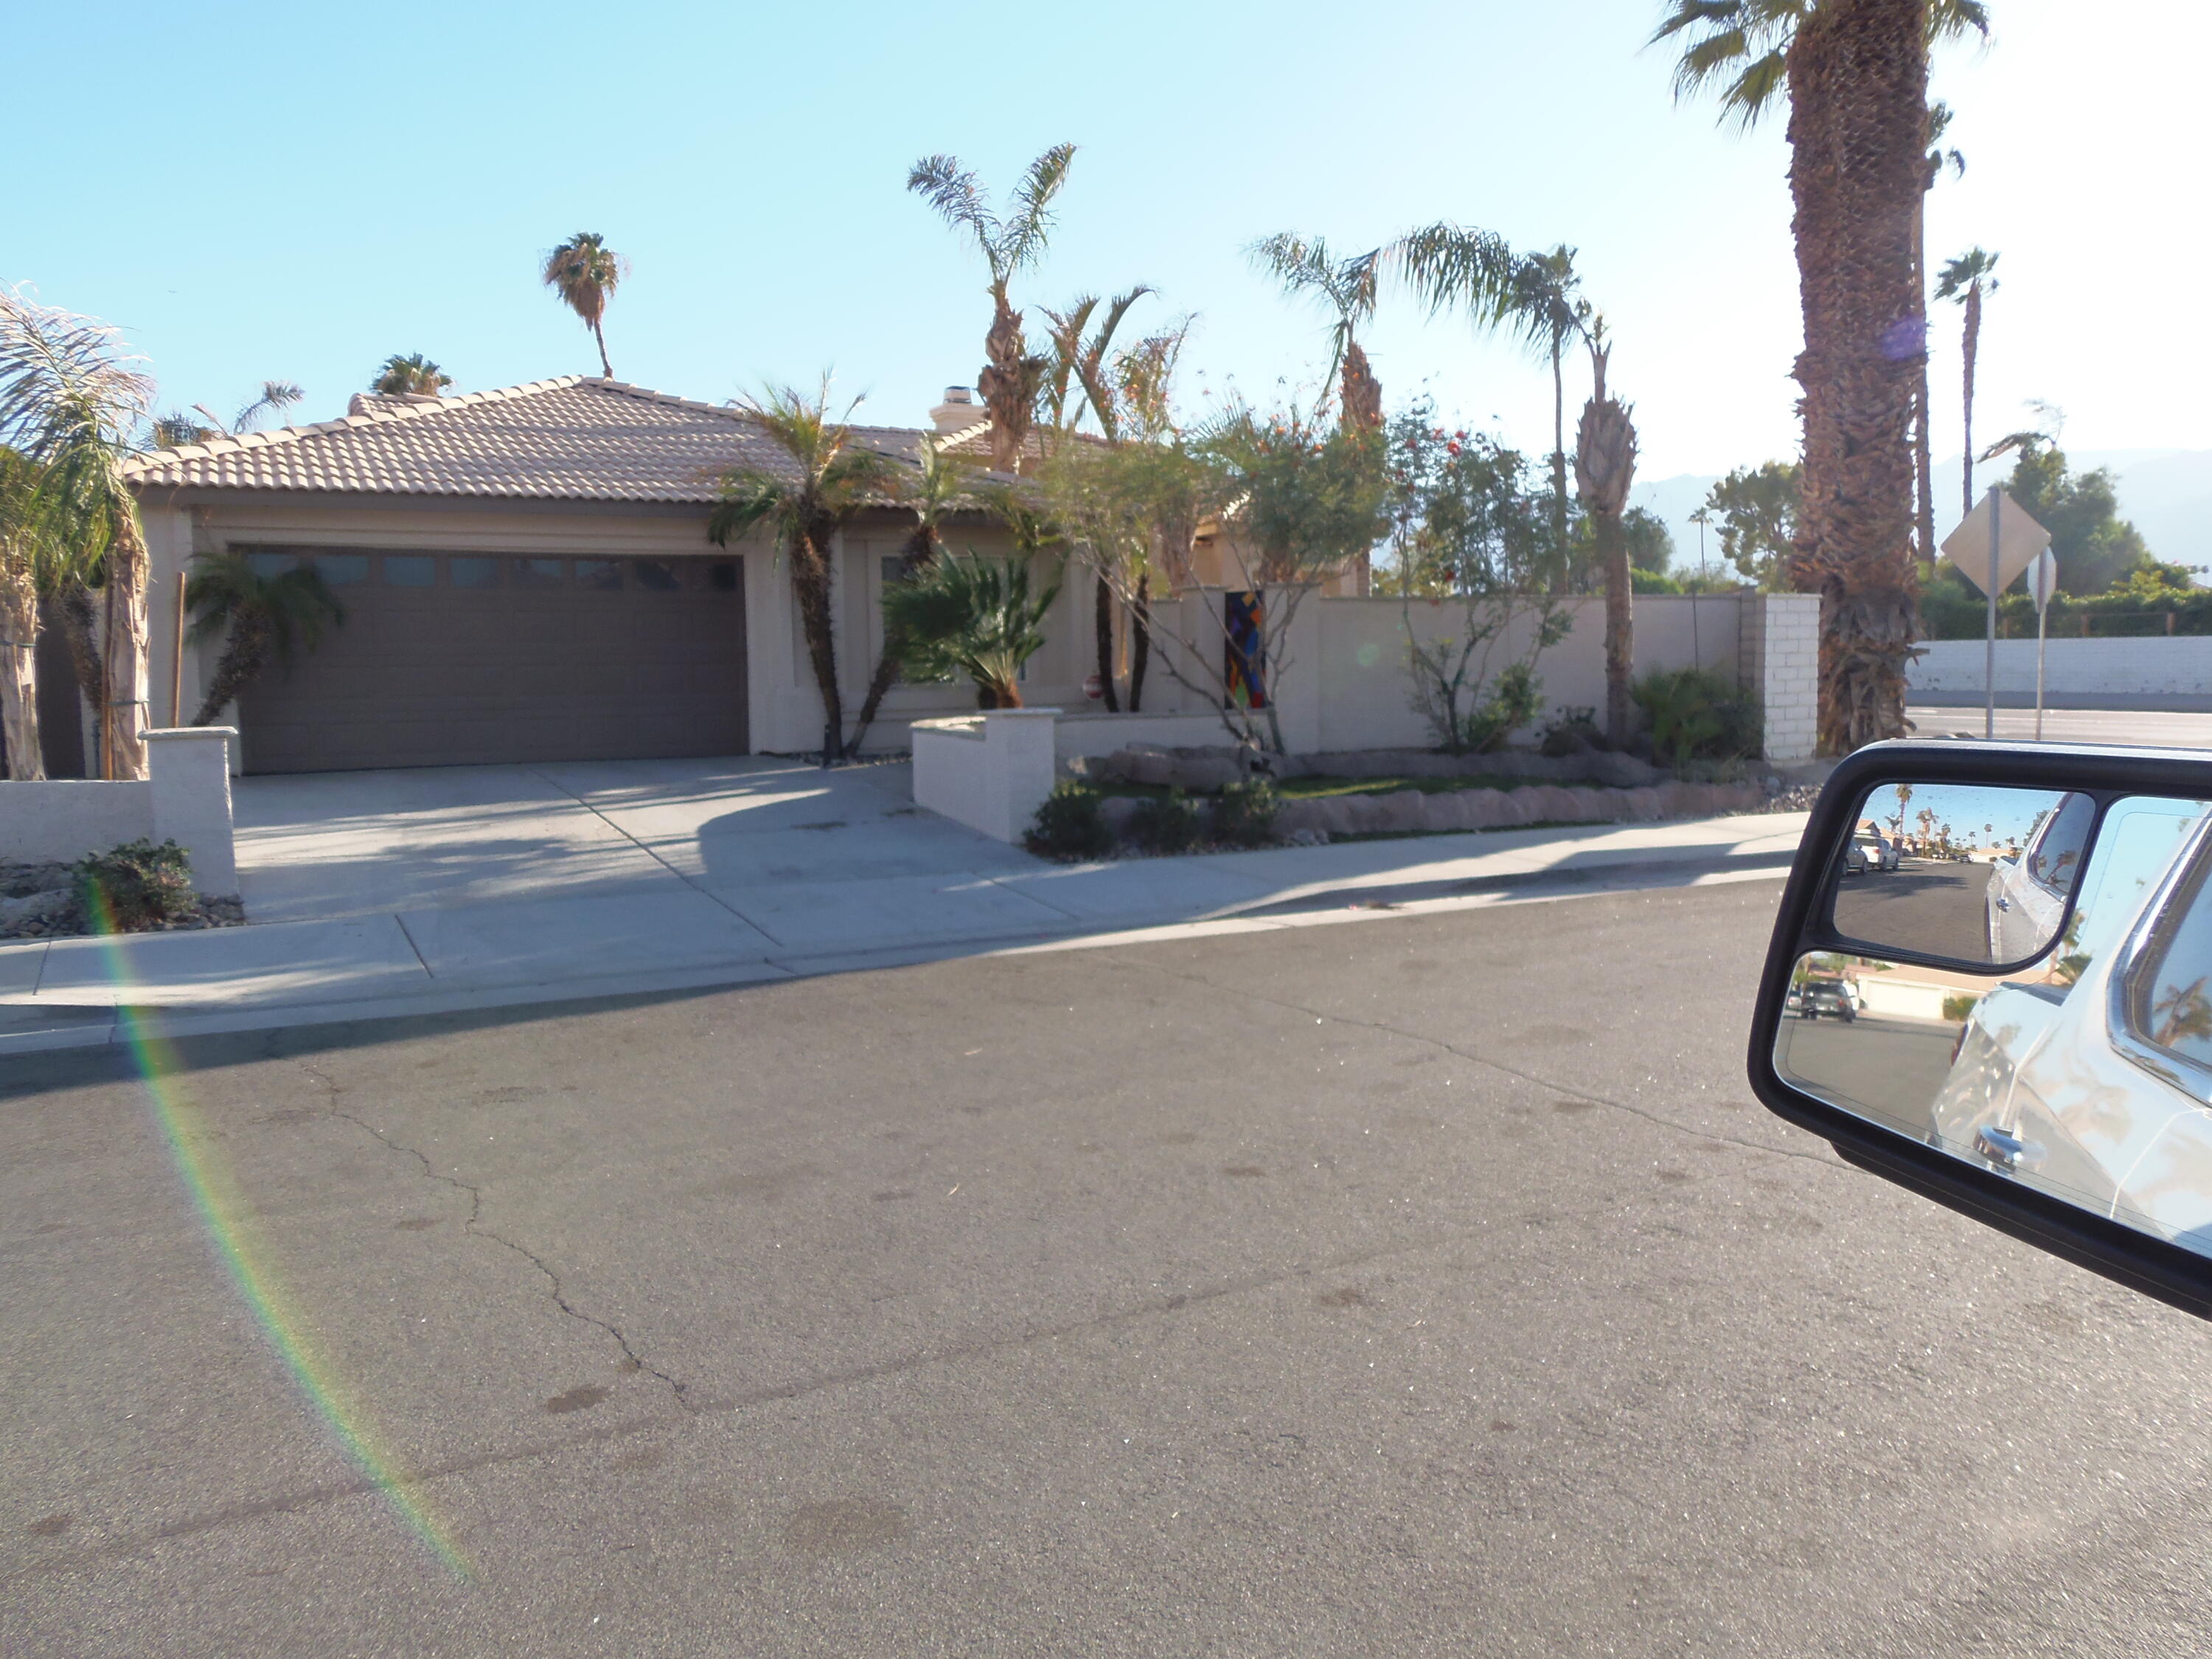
(177, 661)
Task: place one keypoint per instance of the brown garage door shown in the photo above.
(456, 659)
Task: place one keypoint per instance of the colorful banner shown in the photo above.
(1245, 670)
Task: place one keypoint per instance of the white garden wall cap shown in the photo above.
(573, 438)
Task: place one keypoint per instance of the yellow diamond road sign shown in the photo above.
(2020, 539)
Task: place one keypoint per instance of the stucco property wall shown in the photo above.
(2174, 671)
(989, 771)
(186, 798)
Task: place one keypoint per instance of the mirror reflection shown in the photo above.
(2087, 1074)
(1979, 876)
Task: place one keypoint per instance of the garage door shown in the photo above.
(456, 659)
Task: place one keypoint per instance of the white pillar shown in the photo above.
(188, 771)
(1779, 657)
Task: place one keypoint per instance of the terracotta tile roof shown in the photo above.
(571, 438)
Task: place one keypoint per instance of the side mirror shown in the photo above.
(2014, 1016)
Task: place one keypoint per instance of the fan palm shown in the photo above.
(264, 617)
(977, 615)
(1011, 377)
(69, 401)
(1855, 75)
(412, 374)
(823, 481)
(938, 487)
(1605, 467)
(1305, 267)
(586, 272)
(1967, 279)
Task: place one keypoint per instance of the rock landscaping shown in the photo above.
(39, 901)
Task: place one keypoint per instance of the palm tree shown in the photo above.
(1535, 297)
(1305, 267)
(586, 272)
(1010, 379)
(1079, 369)
(177, 428)
(1855, 75)
(1605, 466)
(1939, 158)
(412, 374)
(937, 490)
(32, 558)
(803, 504)
(69, 401)
(977, 615)
(264, 616)
(1966, 279)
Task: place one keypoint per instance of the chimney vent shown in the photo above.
(957, 413)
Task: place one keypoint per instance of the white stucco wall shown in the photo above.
(2160, 666)
(186, 798)
(989, 771)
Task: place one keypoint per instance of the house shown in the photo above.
(526, 576)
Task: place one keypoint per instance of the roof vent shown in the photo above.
(957, 413)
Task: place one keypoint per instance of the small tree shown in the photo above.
(1466, 532)
(1605, 466)
(1294, 505)
(1754, 511)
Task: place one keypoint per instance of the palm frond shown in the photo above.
(1975, 267)
(1457, 265)
(956, 195)
(275, 395)
(1031, 223)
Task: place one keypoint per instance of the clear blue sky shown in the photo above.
(296, 192)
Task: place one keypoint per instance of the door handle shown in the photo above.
(2003, 902)
(2006, 1149)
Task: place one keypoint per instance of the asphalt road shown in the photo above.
(1429, 1285)
(2154, 728)
(1890, 1069)
(1929, 905)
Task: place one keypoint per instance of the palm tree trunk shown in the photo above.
(19, 679)
(1923, 447)
(123, 650)
(921, 547)
(1973, 345)
(605, 367)
(810, 585)
(245, 654)
(1141, 640)
(1858, 95)
(1006, 396)
(1558, 468)
(1619, 626)
(1102, 628)
(75, 608)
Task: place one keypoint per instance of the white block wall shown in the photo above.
(1778, 657)
(2180, 666)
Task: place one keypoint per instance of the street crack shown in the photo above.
(472, 1224)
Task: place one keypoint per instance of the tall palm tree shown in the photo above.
(31, 559)
(69, 400)
(1305, 267)
(413, 373)
(1605, 467)
(938, 488)
(1966, 279)
(1535, 297)
(1009, 244)
(1855, 75)
(804, 503)
(586, 272)
(1939, 159)
(262, 618)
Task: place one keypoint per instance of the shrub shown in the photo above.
(1697, 714)
(134, 887)
(1960, 1005)
(1070, 824)
(1245, 812)
(1570, 731)
(1164, 824)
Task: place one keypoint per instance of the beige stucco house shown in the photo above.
(526, 577)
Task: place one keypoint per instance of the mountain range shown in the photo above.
(2167, 493)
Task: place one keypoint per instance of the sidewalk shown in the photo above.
(676, 930)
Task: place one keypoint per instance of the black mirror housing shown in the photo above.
(1984, 1187)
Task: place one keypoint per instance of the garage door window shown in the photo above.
(655, 575)
(472, 573)
(342, 569)
(265, 565)
(409, 570)
(722, 576)
(539, 573)
(603, 575)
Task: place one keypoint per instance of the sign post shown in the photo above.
(2042, 582)
(1991, 555)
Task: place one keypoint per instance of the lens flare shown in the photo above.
(225, 1214)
